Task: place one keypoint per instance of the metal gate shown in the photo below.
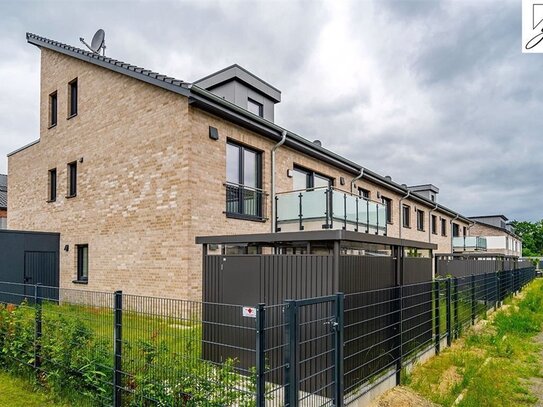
(314, 354)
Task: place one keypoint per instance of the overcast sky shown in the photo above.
(423, 91)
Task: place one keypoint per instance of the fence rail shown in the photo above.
(104, 349)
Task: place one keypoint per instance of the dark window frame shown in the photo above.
(443, 227)
(53, 109)
(420, 219)
(81, 251)
(455, 230)
(406, 216)
(434, 224)
(310, 177)
(52, 190)
(259, 105)
(72, 180)
(364, 193)
(465, 231)
(260, 196)
(73, 94)
(388, 204)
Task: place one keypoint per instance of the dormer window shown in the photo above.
(254, 107)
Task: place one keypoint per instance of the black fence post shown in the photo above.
(456, 306)
(399, 359)
(498, 292)
(291, 359)
(118, 342)
(339, 368)
(260, 355)
(448, 311)
(437, 302)
(38, 327)
(473, 303)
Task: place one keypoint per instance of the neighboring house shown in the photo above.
(3, 201)
(500, 236)
(132, 165)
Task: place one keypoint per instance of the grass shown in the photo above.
(492, 364)
(18, 392)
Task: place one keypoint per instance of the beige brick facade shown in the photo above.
(498, 240)
(149, 181)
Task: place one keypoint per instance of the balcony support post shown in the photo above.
(356, 227)
(300, 214)
(344, 211)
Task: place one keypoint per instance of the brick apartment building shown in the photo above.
(3, 201)
(499, 234)
(132, 165)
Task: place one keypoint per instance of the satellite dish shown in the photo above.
(98, 42)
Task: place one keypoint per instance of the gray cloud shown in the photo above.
(424, 91)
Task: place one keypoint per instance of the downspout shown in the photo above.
(430, 223)
(274, 148)
(452, 235)
(401, 212)
(357, 178)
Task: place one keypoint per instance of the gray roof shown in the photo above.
(206, 100)
(3, 191)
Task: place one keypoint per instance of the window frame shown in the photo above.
(73, 98)
(420, 220)
(52, 185)
(443, 227)
(53, 109)
(72, 180)
(434, 224)
(455, 229)
(258, 105)
(260, 196)
(80, 249)
(364, 193)
(406, 220)
(388, 204)
(310, 177)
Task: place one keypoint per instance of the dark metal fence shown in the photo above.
(125, 350)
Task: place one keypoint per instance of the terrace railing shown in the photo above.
(329, 208)
(245, 202)
(469, 243)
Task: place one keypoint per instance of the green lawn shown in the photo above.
(492, 364)
(17, 392)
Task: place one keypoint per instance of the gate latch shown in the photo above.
(333, 324)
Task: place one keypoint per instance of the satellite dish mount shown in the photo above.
(98, 42)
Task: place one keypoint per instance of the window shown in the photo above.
(434, 224)
(420, 219)
(456, 230)
(53, 109)
(406, 212)
(52, 195)
(388, 204)
(243, 181)
(465, 230)
(72, 179)
(364, 193)
(82, 262)
(254, 107)
(73, 98)
(307, 179)
(443, 227)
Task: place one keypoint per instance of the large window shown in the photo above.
(420, 219)
(72, 179)
(307, 179)
(244, 196)
(406, 214)
(82, 262)
(52, 193)
(53, 107)
(456, 230)
(388, 204)
(254, 107)
(72, 107)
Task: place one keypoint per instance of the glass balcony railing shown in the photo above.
(329, 208)
(469, 243)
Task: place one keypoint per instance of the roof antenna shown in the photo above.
(98, 42)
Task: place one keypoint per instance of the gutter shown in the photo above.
(357, 178)
(401, 211)
(274, 149)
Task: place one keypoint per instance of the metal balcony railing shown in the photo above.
(329, 208)
(469, 243)
(245, 202)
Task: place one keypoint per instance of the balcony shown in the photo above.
(328, 208)
(243, 202)
(469, 244)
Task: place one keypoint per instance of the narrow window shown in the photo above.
(72, 179)
(456, 230)
(406, 209)
(434, 224)
(254, 107)
(82, 262)
(364, 193)
(388, 204)
(73, 98)
(443, 227)
(53, 109)
(420, 219)
(52, 185)
(465, 230)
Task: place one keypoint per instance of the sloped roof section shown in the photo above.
(146, 75)
(3, 191)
